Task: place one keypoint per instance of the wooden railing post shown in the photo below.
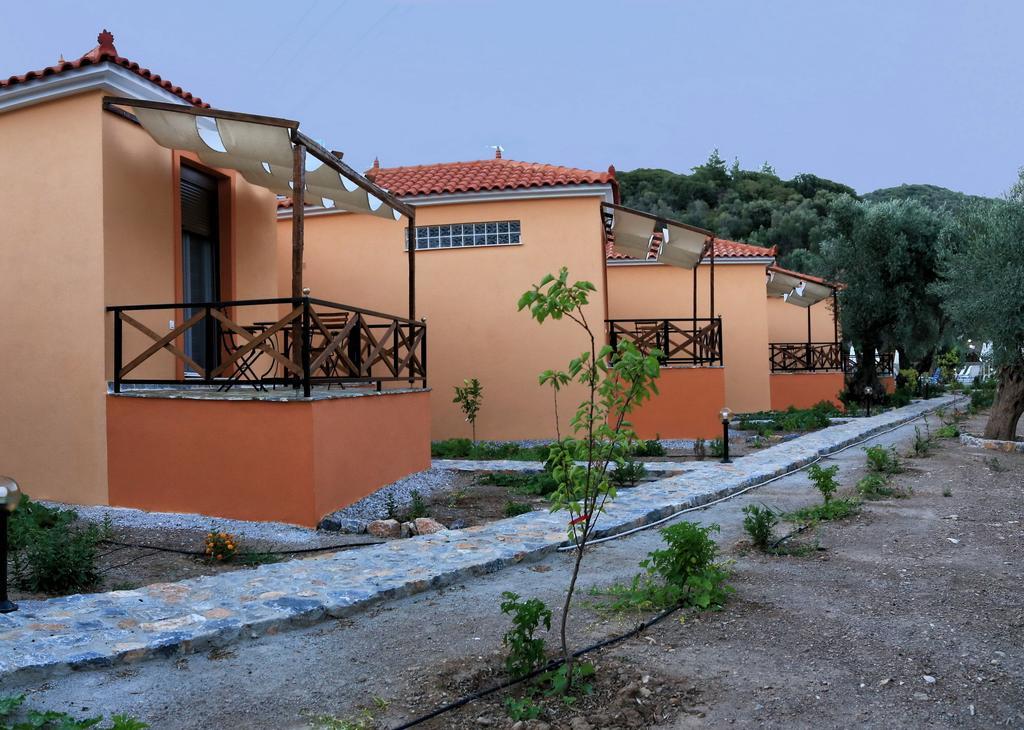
(423, 352)
(306, 344)
(208, 356)
(118, 355)
(664, 343)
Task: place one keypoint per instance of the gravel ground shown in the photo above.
(374, 507)
(845, 636)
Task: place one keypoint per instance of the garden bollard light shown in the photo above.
(867, 392)
(10, 495)
(725, 415)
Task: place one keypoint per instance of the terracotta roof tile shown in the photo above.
(480, 176)
(104, 52)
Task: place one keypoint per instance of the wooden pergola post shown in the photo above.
(711, 311)
(411, 242)
(298, 215)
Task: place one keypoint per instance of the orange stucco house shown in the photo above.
(488, 229)
(152, 356)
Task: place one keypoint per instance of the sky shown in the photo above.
(869, 93)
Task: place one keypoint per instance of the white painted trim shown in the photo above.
(719, 261)
(488, 196)
(105, 76)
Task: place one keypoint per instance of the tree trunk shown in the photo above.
(1009, 404)
(865, 374)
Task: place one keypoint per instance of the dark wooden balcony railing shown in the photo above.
(248, 342)
(682, 341)
(787, 357)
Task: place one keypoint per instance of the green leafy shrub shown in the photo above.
(526, 651)
(834, 509)
(792, 419)
(882, 460)
(982, 398)
(875, 486)
(824, 479)
(683, 573)
(948, 431)
(922, 442)
(700, 449)
(650, 447)
(627, 473)
(33, 719)
(512, 509)
(468, 397)
(717, 448)
(758, 523)
(523, 708)
(417, 507)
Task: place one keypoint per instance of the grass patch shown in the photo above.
(949, 431)
(876, 486)
(486, 451)
(834, 509)
(513, 509)
(257, 557)
(539, 484)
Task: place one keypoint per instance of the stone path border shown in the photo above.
(1007, 447)
(531, 467)
(46, 637)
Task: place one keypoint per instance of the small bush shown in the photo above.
(627, 474)
(717, 448)
(922, 442)
(523, 708)
(513, 509)
(982, 398)
(9, 706)
(220, 546)
(484, 451)
(824, 479)
(758, 522)
(948, 431)
(526, 652)
(835, 509)
(49, 553)
(417, 507)
(700, 449)
(468, 398)
(876, 486)
(882, 460)
(652, 447)
(683, 573)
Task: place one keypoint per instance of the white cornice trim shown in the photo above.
(719, 261)
(106, 77)
(487, 196)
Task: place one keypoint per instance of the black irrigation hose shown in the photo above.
(554, 664)
(296, 551)
(795, 532)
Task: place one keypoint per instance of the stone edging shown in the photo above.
(1008, 447)
(103, 629)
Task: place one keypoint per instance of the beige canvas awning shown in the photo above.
(261, 150)
(796, 289)
(647, 237)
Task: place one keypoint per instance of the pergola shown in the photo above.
(802, 291)
(654, 238)
(273, 153)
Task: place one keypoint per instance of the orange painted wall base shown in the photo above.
(803, 390)
(686, 407)
(293, 461)
(889, 383)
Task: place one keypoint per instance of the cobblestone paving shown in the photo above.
(45, 637)
(537, 466)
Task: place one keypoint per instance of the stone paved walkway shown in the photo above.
(45, 637)
(538, 466)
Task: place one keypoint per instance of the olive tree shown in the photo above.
(982, 264)
(886, 255)
(616, 381)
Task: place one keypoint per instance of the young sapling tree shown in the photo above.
(469, 397)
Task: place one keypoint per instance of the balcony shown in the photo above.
(248, 343)
(695, 342)
(807, 357)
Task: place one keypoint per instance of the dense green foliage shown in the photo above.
(485, 451)
(540, 484)
(757, 207)
(50, 553)
(11, 709)
(824, 478)
(793, 419)
(526, 651)
(931, 196)
(758, 523)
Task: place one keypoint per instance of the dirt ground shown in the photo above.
(910, 614)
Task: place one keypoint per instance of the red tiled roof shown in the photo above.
(724, 249)
(480, 176)
(104, 52)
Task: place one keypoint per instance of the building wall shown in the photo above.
(788, 322)
(469, 299)
(803, 390)
(642, 291)
(52, 390)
